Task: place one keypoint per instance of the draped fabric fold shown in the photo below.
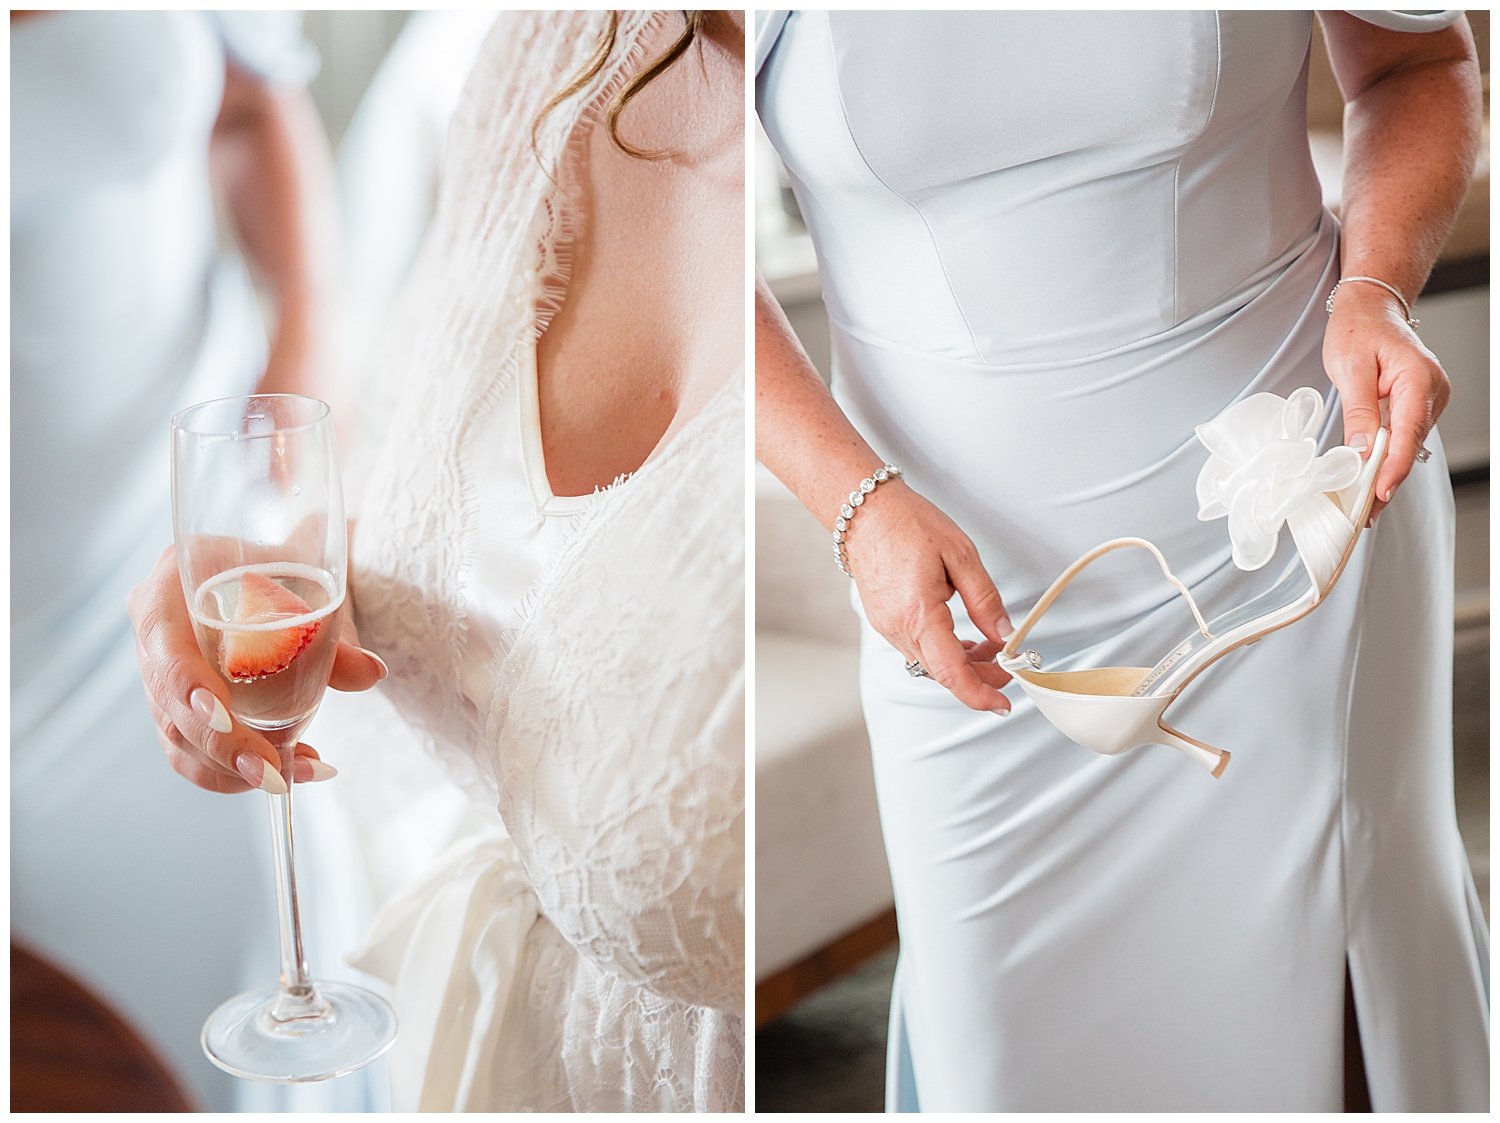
(457, 934)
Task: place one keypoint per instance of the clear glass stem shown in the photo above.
(298, 998)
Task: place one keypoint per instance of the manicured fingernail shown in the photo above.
(257, 772)
(1385, 496)
(1003, 713)
(207, 706)
(307, 771)
(1004, 627)
(379, 662)
(1359, 442)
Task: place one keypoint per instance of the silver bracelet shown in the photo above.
(852, 504)
(1411, 321)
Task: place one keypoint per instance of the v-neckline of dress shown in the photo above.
(534, 457)
(532, 452)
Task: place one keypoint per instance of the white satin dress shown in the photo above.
(1050, 244)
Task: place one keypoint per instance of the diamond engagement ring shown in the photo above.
(916, 670)
(1424, 454)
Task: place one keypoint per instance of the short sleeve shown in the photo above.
(768, 27)
(269, 45)
(1411, 21)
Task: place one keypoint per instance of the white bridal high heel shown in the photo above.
(1263, 470)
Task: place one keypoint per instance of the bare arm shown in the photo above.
(272, 164)
(1411, 135)
(907, 557)
(801, 434)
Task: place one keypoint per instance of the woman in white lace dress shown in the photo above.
(550, 560)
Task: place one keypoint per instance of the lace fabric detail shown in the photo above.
(621, 773)
(613, 742)
(615, 1046)
(490, 276)
(650, 818)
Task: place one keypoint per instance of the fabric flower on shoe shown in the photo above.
(1264, 465)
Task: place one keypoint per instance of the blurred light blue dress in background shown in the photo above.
(125, 309)
(1050, 243)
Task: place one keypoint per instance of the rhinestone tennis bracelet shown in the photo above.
(1411, 320)
(854, 503)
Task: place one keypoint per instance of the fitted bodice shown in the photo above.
(1036, 225)
(1016, 186)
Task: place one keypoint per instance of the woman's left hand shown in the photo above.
(1372, 355)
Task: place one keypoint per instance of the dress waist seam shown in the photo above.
(1258, 286)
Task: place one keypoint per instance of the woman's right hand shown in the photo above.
(189, 699)
(907, 558)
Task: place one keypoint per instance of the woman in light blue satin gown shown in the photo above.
(1051, 244)
(124, 309)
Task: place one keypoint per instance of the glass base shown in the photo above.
(266, 1035)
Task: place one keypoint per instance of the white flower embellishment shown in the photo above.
(1264, 468)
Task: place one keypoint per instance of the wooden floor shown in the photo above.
(71, 1052)
(777, 994)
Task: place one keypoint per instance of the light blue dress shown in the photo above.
(155, 894)
(1050, 244)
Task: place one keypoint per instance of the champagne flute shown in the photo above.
(258, 517)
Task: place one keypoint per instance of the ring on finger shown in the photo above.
(916, 670)
(1424, 454)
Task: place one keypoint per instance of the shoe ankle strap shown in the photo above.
(1010, 653)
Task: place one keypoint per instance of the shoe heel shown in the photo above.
(1215, 760)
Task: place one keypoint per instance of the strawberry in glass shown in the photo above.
(272, 630)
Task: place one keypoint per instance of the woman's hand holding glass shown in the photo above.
(240, 628)
(190, 699)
